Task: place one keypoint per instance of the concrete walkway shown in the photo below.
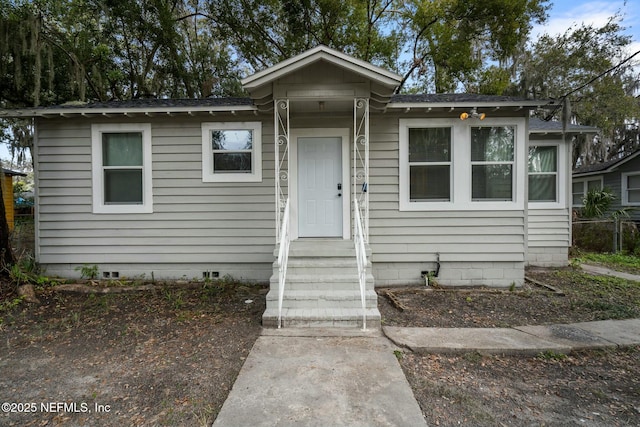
(603, 271)
(293, 379)
(346, 377)
(529, 340)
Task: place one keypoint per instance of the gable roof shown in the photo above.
(604, 167)
(324, 53)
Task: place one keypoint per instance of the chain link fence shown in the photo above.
(606, 236)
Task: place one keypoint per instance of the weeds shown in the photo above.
(552, 355)
(619, 261)
(88, 271)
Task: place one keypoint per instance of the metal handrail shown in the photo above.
(283, 258)
(361, 258)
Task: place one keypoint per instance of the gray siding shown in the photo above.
(613, 182)
(416, 237)
(192, 222)
(549, 228)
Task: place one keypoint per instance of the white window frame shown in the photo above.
(461, 165)
(584, 187)
(625, 189)
(561, 176)
(97, 170)
(208, 174)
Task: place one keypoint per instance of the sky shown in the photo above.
(566, 13)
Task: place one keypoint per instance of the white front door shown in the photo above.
(320, 187)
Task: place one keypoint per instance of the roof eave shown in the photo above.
(80, 111)
(471, 104)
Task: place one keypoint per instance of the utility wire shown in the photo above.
(562, 98)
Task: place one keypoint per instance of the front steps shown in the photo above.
(322, 288)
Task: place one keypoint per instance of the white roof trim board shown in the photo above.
(377, 74)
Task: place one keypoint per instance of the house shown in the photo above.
(547, 221)
(322, 176)
(620, 176)
(7, 195)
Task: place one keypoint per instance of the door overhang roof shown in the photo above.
(376, 74)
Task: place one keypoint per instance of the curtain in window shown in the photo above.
(542, 174)
(492, 150)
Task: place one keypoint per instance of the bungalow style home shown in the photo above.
(322, 181)
(620, 176)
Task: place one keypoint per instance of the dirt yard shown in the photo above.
(167, 357)
(591, 388)
(170, 356)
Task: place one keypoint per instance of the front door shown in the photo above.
(320, 187)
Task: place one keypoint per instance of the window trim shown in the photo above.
(208, 175)
(97, 170)
(561, 176)
(461, 165)
(625, 189)
(584, 187)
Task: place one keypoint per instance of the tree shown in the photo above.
(451, 41)
(266, 32)
(582, 62)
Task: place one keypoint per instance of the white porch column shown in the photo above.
(361, 160)
(281, 149)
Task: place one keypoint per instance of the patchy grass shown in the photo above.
(605, 296)
(617, 261)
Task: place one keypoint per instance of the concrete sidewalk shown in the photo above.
(346, 377)
(519, 340)
(293, 379)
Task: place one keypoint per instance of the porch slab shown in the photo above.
(321, 381)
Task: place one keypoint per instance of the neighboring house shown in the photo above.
(7, 195)
(620, 176)
(198, 187)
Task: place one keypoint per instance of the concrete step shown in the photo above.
(315, 265)
(322, 318)
(322, 299)
(304, 283)
(322, 248)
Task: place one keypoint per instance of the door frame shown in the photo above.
(342, 133)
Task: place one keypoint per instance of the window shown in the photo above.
(446, 164)
(492, 157)
(631, 189)
(121, 168)
(231, 152)
(581, 187)
(430, 164)
(543, 173)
